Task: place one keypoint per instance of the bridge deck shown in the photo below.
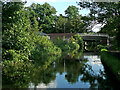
(99, 35)
(83, 35)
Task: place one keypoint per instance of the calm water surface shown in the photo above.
(86, 71)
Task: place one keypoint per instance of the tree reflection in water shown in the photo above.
(74, 69)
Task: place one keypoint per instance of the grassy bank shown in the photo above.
(112, 62)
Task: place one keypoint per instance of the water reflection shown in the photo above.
(52, 84)
(74, 73)
(95, 63)
(85, 71)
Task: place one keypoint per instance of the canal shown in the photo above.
(85, 71)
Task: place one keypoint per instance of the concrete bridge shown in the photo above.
(102, 38)
(93, 36)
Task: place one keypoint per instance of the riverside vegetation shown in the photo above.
(24, 49)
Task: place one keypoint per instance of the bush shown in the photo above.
(101, 48)
(78, 40)
(44, 47)
(65, 45)
(105, 50)
(74, 45)
(21, 43)
(14, 55)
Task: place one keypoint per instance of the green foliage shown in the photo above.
(16, 73)
(78, 40)
(101, 48)
(61, 24)
(22, 43)
(17, 67)
(104, 50)
(48, 22)
(16, 36)
(10, 13)
(112, 62)
(44, 47)
(14, 55)
(74, 23)
(65, 45)
(23, 37)
(62, 43)
(107, 13)
(76, 54)
(45, 15)
(73, 46)
(71, 12)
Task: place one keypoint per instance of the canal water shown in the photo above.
(86, 71)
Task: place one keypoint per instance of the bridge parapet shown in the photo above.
(89, 34)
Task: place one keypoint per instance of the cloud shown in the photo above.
(52, 84)
(97, 27)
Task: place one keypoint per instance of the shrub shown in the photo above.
(101, 48)
(78, 40)
(104, 50)
(44, 47)
(14, 55)
(65, 45)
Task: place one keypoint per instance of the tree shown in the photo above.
(107, 13)
(10, 13)
(71, 12)
(45, 15)
(75, 23)
(16, 31)
(60, 24)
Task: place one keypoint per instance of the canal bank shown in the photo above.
(111, 62)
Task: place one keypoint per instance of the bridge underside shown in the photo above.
(94, 41)
(103, 42)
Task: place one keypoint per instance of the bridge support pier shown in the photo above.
(85, 45)
(108, 42)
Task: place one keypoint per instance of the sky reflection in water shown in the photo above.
(64, 75)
